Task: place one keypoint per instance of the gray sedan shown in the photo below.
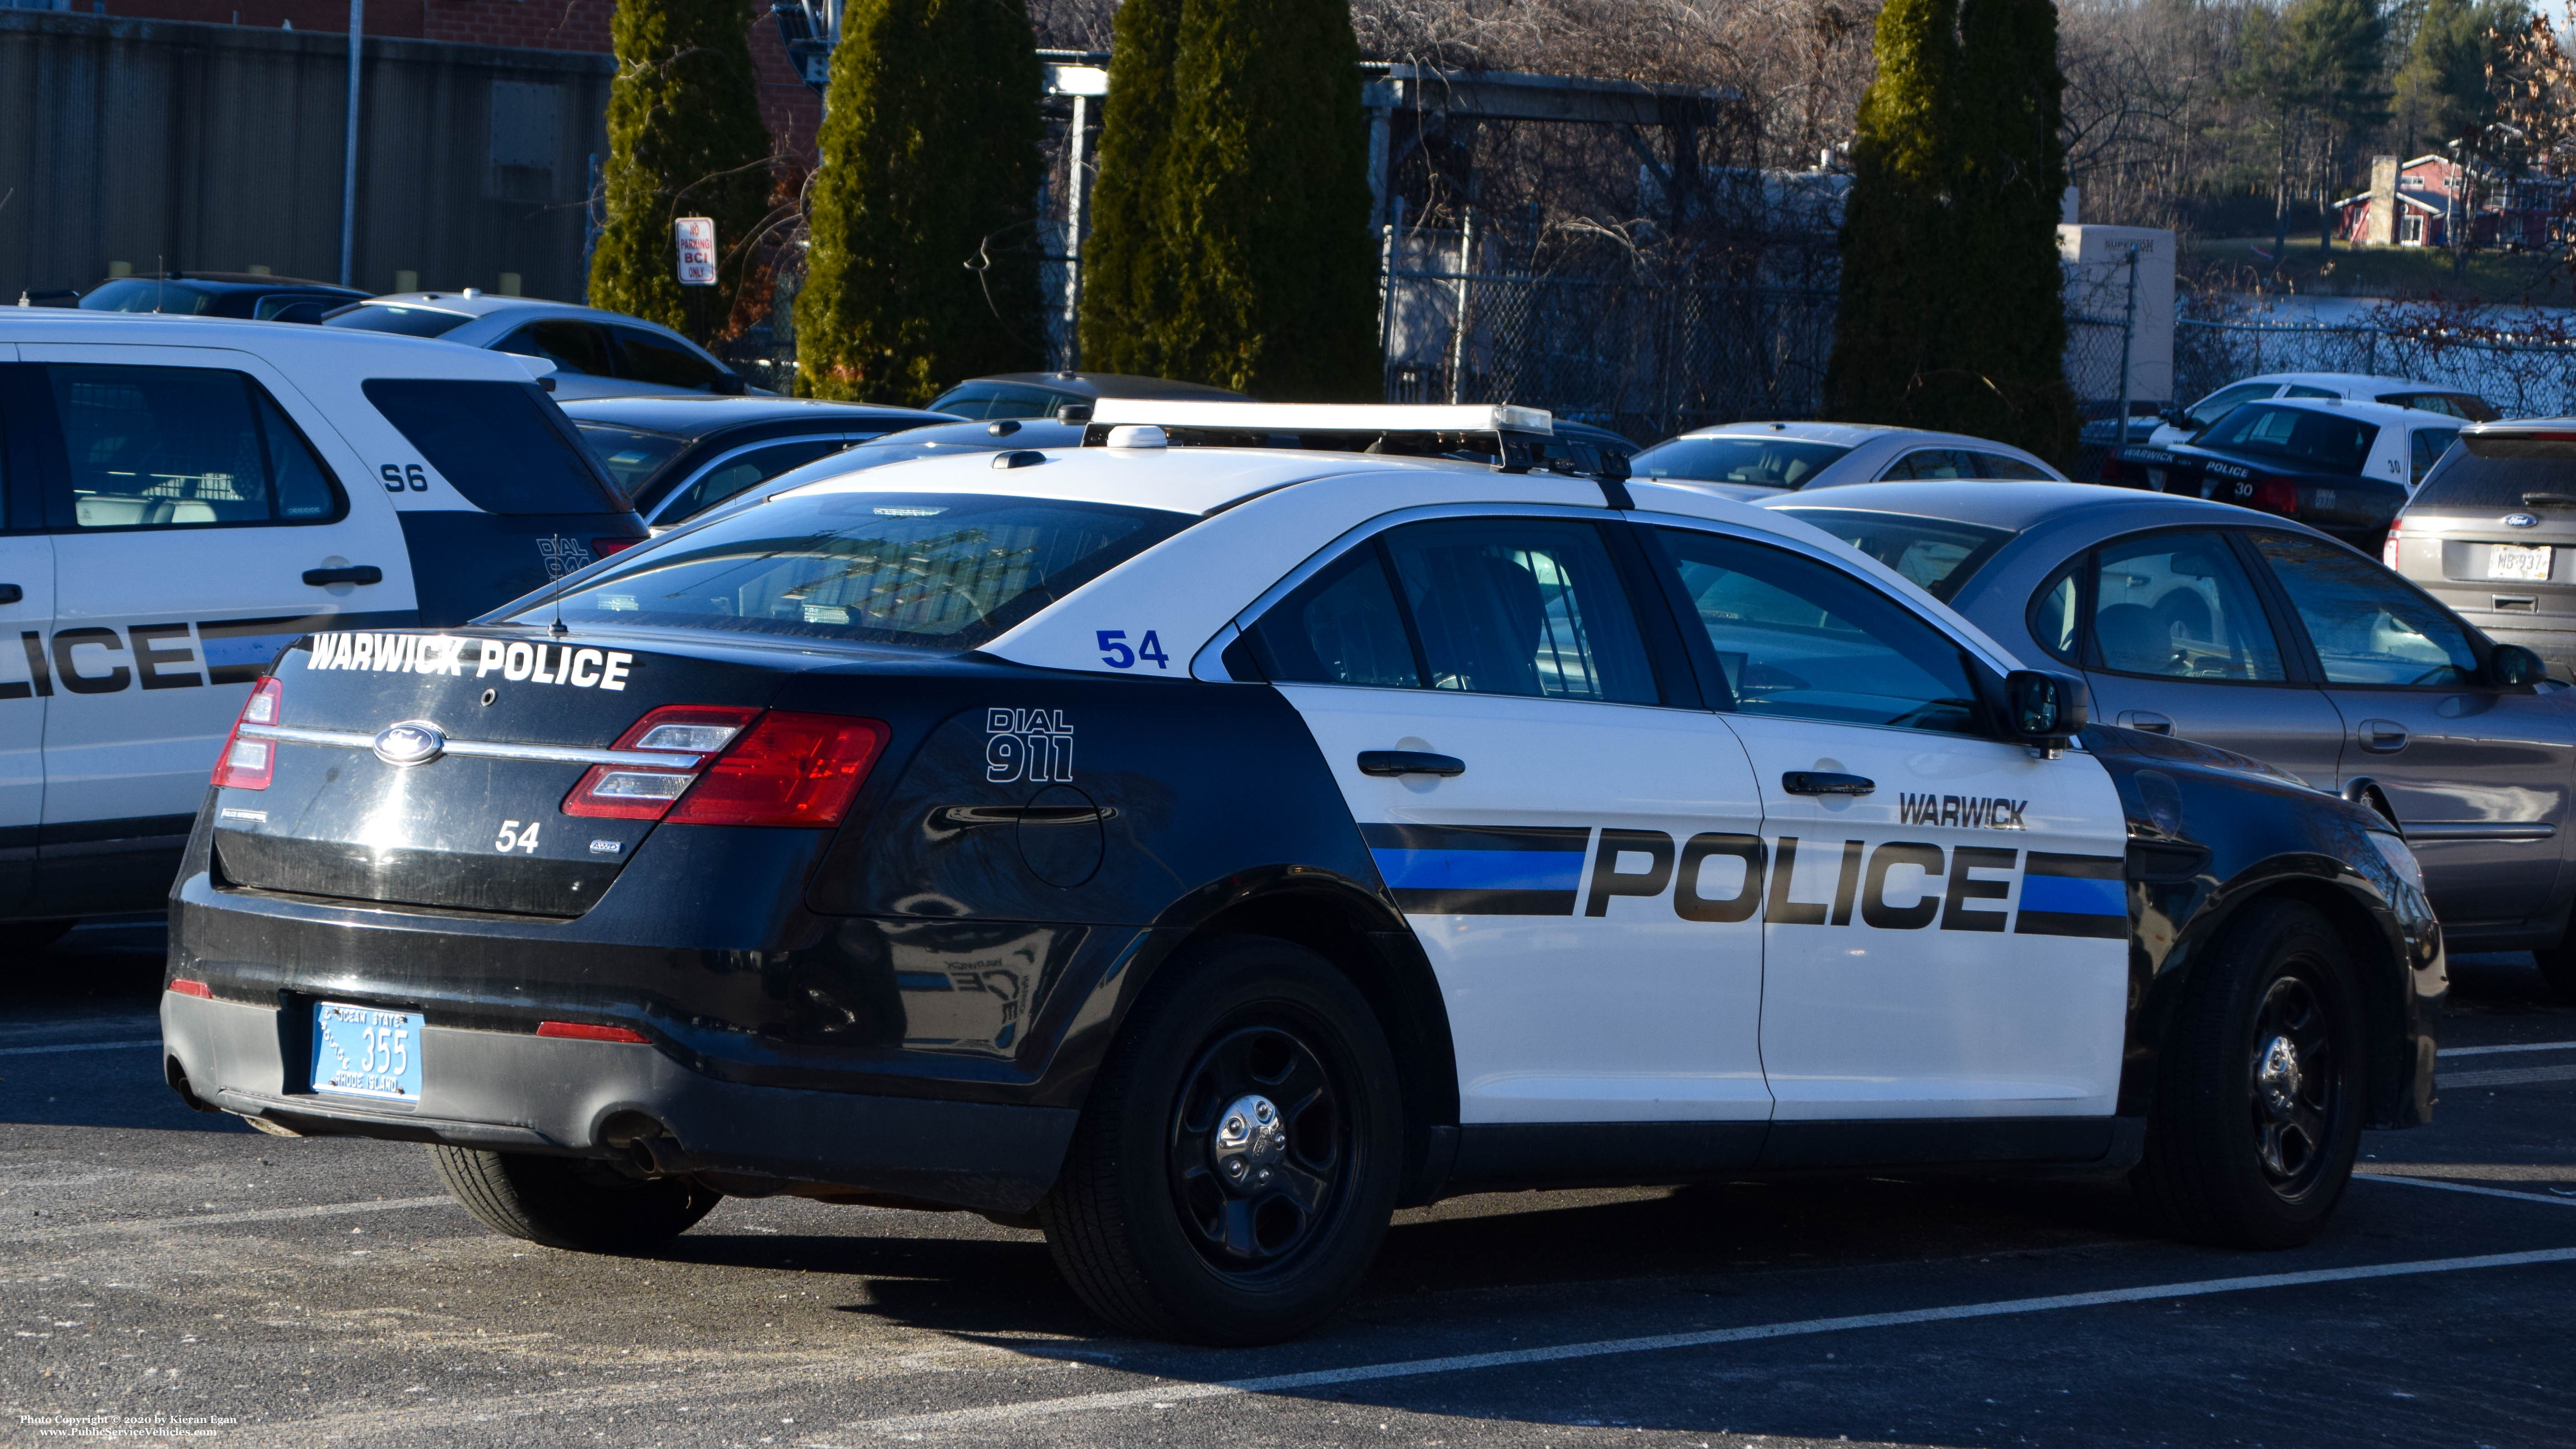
(1760, 461)
(2236, 629)
(595, 353)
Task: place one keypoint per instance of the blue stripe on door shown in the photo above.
(2072, 896)
(1513, 870)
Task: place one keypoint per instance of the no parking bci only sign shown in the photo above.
(697, 238)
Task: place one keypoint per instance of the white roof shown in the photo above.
(288, 345)
(2359, 381)
(1328, 417)
(2384, 414)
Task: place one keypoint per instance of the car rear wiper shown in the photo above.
(2549, 500)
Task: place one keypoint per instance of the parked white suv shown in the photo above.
(186, 495)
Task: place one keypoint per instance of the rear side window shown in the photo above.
(928, 571)
(631, 455)
(2503, 471)
(1340, 627)
(2429, 445)
(181, 447)
(2467, 407)
(1778, 462)
(148, 294)
(2179, 606)
(575, 347)
(662, 361)
(1000, 400)
(2301, 389)
(407, 321)
(501, 444)
(1524, 606)
(726, 479)
(2322, 441)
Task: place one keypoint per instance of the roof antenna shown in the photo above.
(557, 629)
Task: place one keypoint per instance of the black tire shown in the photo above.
(2261, 1094)
(567, 1202)
(1178, 1216)
(2558, 970)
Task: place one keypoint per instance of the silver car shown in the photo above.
(2218, 624)
(2492, 533)
(1757, 461)
(595, 353)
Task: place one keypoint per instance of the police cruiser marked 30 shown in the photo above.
(1478, 826)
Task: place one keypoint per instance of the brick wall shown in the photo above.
(786, 106)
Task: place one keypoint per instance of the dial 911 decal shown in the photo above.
(1027, 744)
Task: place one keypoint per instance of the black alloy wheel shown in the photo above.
(1237, 1160)
(1257, 1148)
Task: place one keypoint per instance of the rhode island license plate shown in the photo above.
(363, 1052)
(2519, 561)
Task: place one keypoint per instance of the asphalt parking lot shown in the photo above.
(175, 1278)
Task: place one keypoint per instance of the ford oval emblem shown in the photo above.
(413, 742)
(2520, 520)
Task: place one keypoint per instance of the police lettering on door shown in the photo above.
(98, 659)
(1721, 877)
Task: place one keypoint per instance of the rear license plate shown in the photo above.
(2519, 561)
(362, 1052)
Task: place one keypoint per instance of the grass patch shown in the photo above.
(2491, 276)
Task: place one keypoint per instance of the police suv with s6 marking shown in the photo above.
(182, 497)
(1200, 852)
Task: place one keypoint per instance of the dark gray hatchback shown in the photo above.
(2218, 624)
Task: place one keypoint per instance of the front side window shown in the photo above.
(179, 447)
(2180, 606)
(573, 347)
(928, 571)
(1932, 463)
(1526, 606)
(1935, 554)
(1797, 638)
(501, 444)
(2322, 441)
(2368, 626)
(1773, 462)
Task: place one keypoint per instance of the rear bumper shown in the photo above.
(511, 1091)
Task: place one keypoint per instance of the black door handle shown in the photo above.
(11, 593)
(1409, 762)
(354, 574)
(2382, 736)
(1822, 782)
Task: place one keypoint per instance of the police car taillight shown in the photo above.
(690, 733)
(606, 546)
(789, 770)
(248, 764)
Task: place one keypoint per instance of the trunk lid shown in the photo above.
(431, 769)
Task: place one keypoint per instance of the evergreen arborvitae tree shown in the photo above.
(1952, 313)
(684, 139)
(924, 264)
(1231, 240)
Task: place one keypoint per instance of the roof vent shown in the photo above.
(1019, 458)
(1139, 435)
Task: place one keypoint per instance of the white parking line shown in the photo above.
(2507, 1076)
(2488, 1051)
(1172, 1393)
(83, 1046)
(195, 1220)
(2465, 1187)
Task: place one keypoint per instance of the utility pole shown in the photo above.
(349, 159)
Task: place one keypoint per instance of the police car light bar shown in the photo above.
(1325, 417)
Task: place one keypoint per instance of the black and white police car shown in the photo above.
(1202, 852)
(184, 497)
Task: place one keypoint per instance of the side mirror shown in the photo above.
(2511, 664)
(727, 384)
(1614, 464)
(2043, 710)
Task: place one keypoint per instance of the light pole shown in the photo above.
(349, 157)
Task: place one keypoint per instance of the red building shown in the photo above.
(790, 109)
(2423, 202)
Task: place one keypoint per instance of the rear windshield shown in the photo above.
(1779, 462)
(148, 294)
(929, 571)
(409, 321)
(2322, 441)
(1939, 556)
(2503, 470)
(502, 444)
(631, 455)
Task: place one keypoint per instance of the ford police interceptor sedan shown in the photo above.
(1200, 853)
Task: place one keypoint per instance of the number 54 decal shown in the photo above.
(1115, 653)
